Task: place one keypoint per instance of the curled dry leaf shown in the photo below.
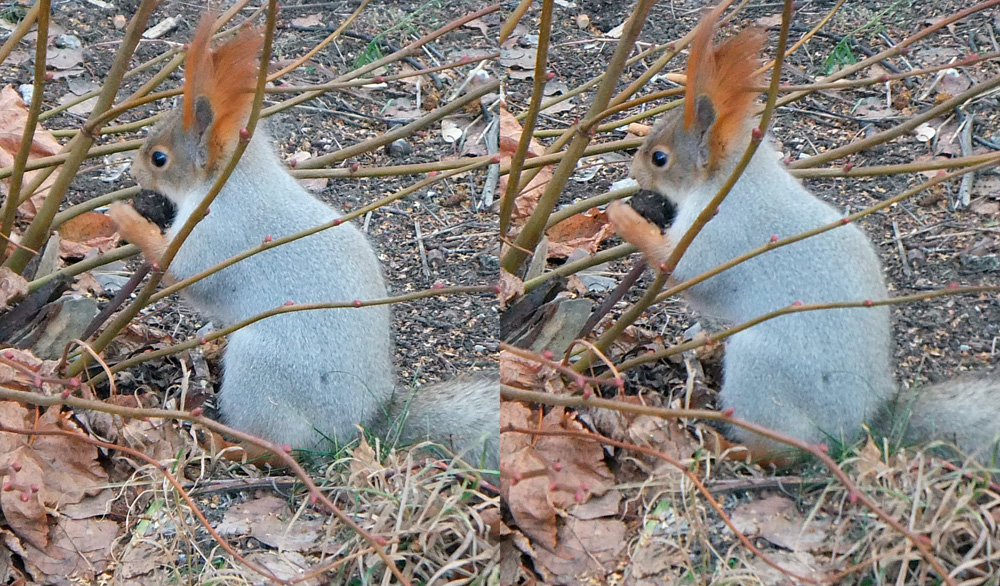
(639, 129)
(12, 286)
(776, 519)
(527, 199)
(13, 117)
(584, 231)
(556, 475)
(86, 232)
(510, 287)
(924, 132)
(21, 371)
(528, 374)
(47, 472)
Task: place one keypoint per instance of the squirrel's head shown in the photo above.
(685, 148)
(188, 147)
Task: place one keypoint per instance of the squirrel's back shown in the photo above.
(299, 376)
(817, 374)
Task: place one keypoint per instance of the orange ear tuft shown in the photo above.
(726, 75)
(736, 60)
(198, 71)
(701, 65)
(227, 77)
(236, 68)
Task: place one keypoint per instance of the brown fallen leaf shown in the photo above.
(585, 548)
(558, 472)
(13, 286)
(985, 207)
(240, 519)
(799, 563)
(510, 287)
(47, 471)
(527, 199)
(308, 21)
(776, 519)
(23, 371)
(639, 129)
(527, 373)
(79, 548)
(584, 231)
(13, 117)
(86, 232)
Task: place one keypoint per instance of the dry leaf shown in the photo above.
(86, 232)
(13, 117)
(510, 287)
(48, 471)
(549, 487)
(13, 286)
(64, 58)
(240, 519)
(79, 548)
(585, 547)
(776, 519)
(985, 207)
(768, 21)
(478, 23)
(953, 82)
(510, 134)
(308, 21)
(585, 231)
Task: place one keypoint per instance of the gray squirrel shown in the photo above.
(302, 377)
(817, 375)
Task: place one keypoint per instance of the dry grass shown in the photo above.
(432, 515)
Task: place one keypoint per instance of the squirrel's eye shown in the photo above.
(660, 158)
(159, 158)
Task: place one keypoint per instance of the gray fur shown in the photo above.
(302, 377)
(818, 375)
(802, 374)
(964, 413)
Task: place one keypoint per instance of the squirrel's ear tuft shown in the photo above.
(725, 74)
(237, 65)
(227, 77)
(199, 74)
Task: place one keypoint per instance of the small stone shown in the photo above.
(67, 42)
(399, 148)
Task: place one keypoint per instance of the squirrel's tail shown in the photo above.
(964, 413)
(462, 414)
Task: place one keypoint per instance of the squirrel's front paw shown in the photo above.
(639, 231)
(134, 228)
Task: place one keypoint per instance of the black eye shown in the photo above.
(159, 158)
(660, 158)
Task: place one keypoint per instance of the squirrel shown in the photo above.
(298, 378)
(817, 375)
